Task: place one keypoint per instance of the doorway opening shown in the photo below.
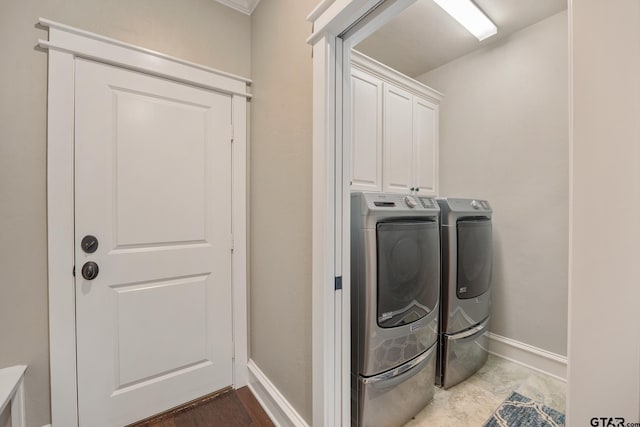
(337, 31)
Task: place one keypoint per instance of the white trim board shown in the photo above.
(93, 46)
(529, 356)
(337, 26)
(65, 44)
(281, 412)
(319, 10)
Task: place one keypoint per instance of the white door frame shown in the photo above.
(338, 25)
(64, 45)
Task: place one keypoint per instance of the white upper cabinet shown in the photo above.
(425, 145)
(398, 156)
(394, 130)
(366, 131)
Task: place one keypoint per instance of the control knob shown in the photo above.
(410, 201)
(475, 204)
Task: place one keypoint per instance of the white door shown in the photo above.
(153, 185)
(398, 140)
(425, 130)
(366, 132)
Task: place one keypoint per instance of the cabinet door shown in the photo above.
(366, 132)
(425, 137)
(398, 140)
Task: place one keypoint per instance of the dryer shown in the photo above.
(395, 276)
(465, 295)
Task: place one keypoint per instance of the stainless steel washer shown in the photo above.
(465, 295)
(395, 280)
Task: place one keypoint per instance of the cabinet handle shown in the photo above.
(417, 189)
(412, 189)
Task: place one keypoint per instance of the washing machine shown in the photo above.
(395, 276)
(465, 295)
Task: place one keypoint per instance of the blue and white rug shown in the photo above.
(520, 411)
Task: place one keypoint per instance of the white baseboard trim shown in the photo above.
(527, 355)
(274, 403)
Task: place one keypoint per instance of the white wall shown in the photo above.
(604, 321)
(198, 30)
(280, 214)
(504, 137)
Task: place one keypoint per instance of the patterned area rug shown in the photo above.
(520, 411)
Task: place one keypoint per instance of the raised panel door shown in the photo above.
(425, 137)
(398, 140)
(153, 185)
(366, 132)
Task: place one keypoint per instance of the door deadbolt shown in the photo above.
(89, 244)
(90, 270)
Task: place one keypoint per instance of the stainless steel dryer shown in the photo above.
(395, 276)
(465, 295)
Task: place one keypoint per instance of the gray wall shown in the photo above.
(280, 203)
(604, 339)
(504, 137)
(198, 30)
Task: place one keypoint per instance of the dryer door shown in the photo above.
(475, 256)
(408, 271)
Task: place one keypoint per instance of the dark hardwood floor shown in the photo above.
(230, 408)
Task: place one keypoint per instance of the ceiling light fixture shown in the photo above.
(470, 16)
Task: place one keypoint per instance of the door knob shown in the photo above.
(89, 244)
(90, 270)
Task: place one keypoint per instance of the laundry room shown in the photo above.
(499, 133)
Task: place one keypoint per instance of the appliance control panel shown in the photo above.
(427, 202)
(467, 205)
(480, 205)
(453, 209)
(391, 201)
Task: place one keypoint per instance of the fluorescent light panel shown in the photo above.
(470, 16)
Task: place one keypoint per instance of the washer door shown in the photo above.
(408, 271)
(475, 257)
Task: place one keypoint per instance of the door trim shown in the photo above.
(337, 26)
(65, 44)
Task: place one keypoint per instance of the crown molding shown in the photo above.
(243, 6)
(371, 66)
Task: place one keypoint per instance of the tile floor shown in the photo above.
(472, 402)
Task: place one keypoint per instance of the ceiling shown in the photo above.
(424, 36)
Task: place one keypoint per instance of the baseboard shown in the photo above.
(274, 403)
(527, 355)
